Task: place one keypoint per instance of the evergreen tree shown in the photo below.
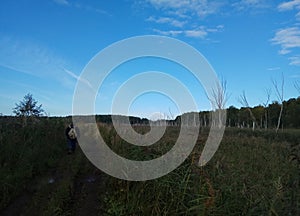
(28, 107)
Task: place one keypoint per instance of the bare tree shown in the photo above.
(297, 86)
(244, 102)
(279, 93)
(218, 99)
(265, 104)
(219, 95)
(171, 117)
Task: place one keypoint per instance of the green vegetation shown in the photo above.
(252, 173)
(27, 152)
(28, 107)
(264, 117)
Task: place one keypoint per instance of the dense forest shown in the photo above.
(266, 117)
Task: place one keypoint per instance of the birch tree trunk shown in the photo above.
(279, 118)
(279, 93)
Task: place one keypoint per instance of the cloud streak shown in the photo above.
(295, 60)
(200, 8)
(288, 39)
(251, 4)
(290, 5)
(78, 78)
(167, 20)
(204, 8)
(273, 68)
(81, 6)
(34, 59)
(29, 57)
(182, 16)
(196, 33)
(200, 32)
(62, 2)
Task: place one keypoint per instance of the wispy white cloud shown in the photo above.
(62, 2)
(290, 5)
(273, 68)
(186, 14)
(170, 3)
(204, 8)
(251, 4)
(35, 59)
(78, 78)
(182, 17)
(218, 28)
(81, 6)
(201, 8)
(172, 33)
(91, 8)
(200, 32)
(73, 75)
(167, 20)
(29, 57)
(298, 16)
(295, 60)
(16, 69)
(287, 38)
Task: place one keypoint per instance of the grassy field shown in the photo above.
(252, 173)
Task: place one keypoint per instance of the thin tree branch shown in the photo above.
(280, 96)
(297, 86)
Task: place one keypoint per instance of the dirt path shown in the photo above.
(86, 194)
(89, 194)
(17, 206)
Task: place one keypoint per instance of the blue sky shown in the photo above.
(45, 45)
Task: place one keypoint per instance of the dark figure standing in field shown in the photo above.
(71, 138)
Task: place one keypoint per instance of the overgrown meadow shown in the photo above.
(252, 173)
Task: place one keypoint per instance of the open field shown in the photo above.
(150, 107)
(252, 173)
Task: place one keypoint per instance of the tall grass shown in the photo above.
(27, 152)
(252, 173)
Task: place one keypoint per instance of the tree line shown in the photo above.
(266, 116)
(262, 116)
